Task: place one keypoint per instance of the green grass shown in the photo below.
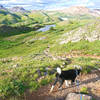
(25, 50)
(90, 48)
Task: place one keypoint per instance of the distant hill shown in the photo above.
(79, 12)
(8, 18)
(18, 10)
(97, 11)
(19, 14)
(12, 15)
(1, 7)
(40, 16)
(76, 10)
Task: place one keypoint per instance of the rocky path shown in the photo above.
(86, 56)
(90, 81)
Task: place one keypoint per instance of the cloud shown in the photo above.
(82, 1)
(45, 4)
(91, 4)
(5, 2)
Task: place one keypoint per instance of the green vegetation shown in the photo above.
(84, 47)
(22, 52)
(60, 15)
(84, 90)
(8, 18)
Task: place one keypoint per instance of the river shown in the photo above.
(46, 28)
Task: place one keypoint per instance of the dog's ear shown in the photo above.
(58, 70)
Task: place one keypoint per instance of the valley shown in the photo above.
(33, 41)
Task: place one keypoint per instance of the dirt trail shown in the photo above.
(86, 56)
(91, 81)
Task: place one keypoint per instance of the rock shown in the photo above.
(89, 32)
(39, 72)
(99, 69)
(52, 71)
(75, 96)
(62, 66)
(17, 65)
(45, 73)
(31, 40)
(42, 38)
(77, 66)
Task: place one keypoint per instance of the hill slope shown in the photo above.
(88, 32)
(28, 57)
(78, 12)
(8, 18)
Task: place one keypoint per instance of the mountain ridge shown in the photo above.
(18, 9)
(80, 10)
(2, 7)
(76, 11)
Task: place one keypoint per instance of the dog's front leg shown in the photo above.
(61, 81)
(52, 88)
(56, 80)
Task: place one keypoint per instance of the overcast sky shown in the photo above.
(50, 4)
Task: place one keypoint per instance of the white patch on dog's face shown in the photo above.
(58, 70)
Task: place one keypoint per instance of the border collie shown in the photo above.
(62, 76)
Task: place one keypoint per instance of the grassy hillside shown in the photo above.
(24, 50)
(8, 18)
(60, 15)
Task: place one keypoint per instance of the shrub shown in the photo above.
(84, 90)
(11, 88)
(34, 85)
(44, 82)
(35, 76)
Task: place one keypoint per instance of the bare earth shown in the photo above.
(91, 81)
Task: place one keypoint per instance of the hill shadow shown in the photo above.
(6, 30)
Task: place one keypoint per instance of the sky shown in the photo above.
(50, 4)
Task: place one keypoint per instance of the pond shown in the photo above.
(46, 28)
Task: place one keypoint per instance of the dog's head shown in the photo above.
(58, 70)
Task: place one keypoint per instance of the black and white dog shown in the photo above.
(62, 76)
